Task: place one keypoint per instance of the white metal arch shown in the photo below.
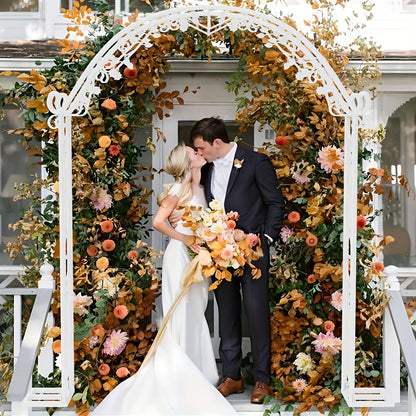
(310, 64)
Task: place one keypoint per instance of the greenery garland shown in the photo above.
(115, 280)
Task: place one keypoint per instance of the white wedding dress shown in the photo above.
(179, 379)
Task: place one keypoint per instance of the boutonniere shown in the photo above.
(238, 163)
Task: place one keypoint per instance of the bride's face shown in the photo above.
(197, 161)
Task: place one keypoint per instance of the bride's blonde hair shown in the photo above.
(178, 165)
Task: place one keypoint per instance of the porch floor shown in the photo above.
(241, 402)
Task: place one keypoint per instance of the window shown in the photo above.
(19, 6)
(399, 157)
(14, 169)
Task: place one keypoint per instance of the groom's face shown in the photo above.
(207, 150)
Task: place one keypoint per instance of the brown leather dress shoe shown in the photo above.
(229, 386)
(261, 390)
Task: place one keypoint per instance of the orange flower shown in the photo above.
(231, 224)
(294, 216)
(122, 372)
(102, 263)
(92, 250)
(378, 267)
(311, 240)
(109, 245)
(280, 140)
(104, 141)
(114, 149)
(328, 326)
(361, 222)
(98, 330)
(120, 311)
(132, 255)
(109, 104)
(104, 369)
(130, 72)
(107, 226)
(56, 346)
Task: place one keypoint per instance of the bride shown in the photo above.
(179, 377)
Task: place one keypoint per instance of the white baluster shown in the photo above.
(45, 358)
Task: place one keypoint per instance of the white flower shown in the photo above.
(216, 205)
(304, 363)
(80, 304)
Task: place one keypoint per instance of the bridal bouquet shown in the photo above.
(223, 246)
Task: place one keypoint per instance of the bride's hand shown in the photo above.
(174, 217)
(195, 248)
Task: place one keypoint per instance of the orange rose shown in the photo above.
(104, 141)
(311, 240)
(92, 250)
(280, 140)
(56, 346)
(114, 149)
(104, 369)
(294, 216)
(102, 263)
(130, 72)
(378, 267)
(109, 104)
(361, 222)
(120, 311)
(132, 255)
(107, 226)
(328, 326)
(98, 330)
(122, 372)
(109, 245)
(311, 278)
(231, 224)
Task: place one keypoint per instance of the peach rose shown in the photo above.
(102, 263)
(227, 252)
(378, 267)
(104, 141)
(107, 226)
(120, 311)
(104, 369)
(122, 372)
(206, 234)
(92, 250)
(132, 255)
(231, 224)
(311, 240)
(130, 72)
(239, 235)
(293, 217)
(109, 104)
(109, 245)
(328, 326)
(56, 346)
(204, 257)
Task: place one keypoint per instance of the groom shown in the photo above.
(244, 181)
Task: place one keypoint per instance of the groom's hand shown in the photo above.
(175, 217)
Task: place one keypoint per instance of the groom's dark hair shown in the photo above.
(209, 129)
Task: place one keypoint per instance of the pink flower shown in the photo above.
(294, 216)
(328, 326)
(104, 369)
(122, 372)
(101, 199)
(231, 224)
(114, 149)
(286, 233)
(361, 221)
(239, 235)
(327, 343)
(336, 300)
(227, 252)
(253, 239)
(331, 159)
(115, 342)
(311, 278)
(299, 385)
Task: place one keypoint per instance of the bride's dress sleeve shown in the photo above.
(175, 189)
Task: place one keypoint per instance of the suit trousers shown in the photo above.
(256, 303)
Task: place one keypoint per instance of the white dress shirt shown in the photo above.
(221, 174)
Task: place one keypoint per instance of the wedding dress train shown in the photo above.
(179, 378)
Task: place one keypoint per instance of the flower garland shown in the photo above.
(115, 282)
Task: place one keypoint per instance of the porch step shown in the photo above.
(241, 402)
